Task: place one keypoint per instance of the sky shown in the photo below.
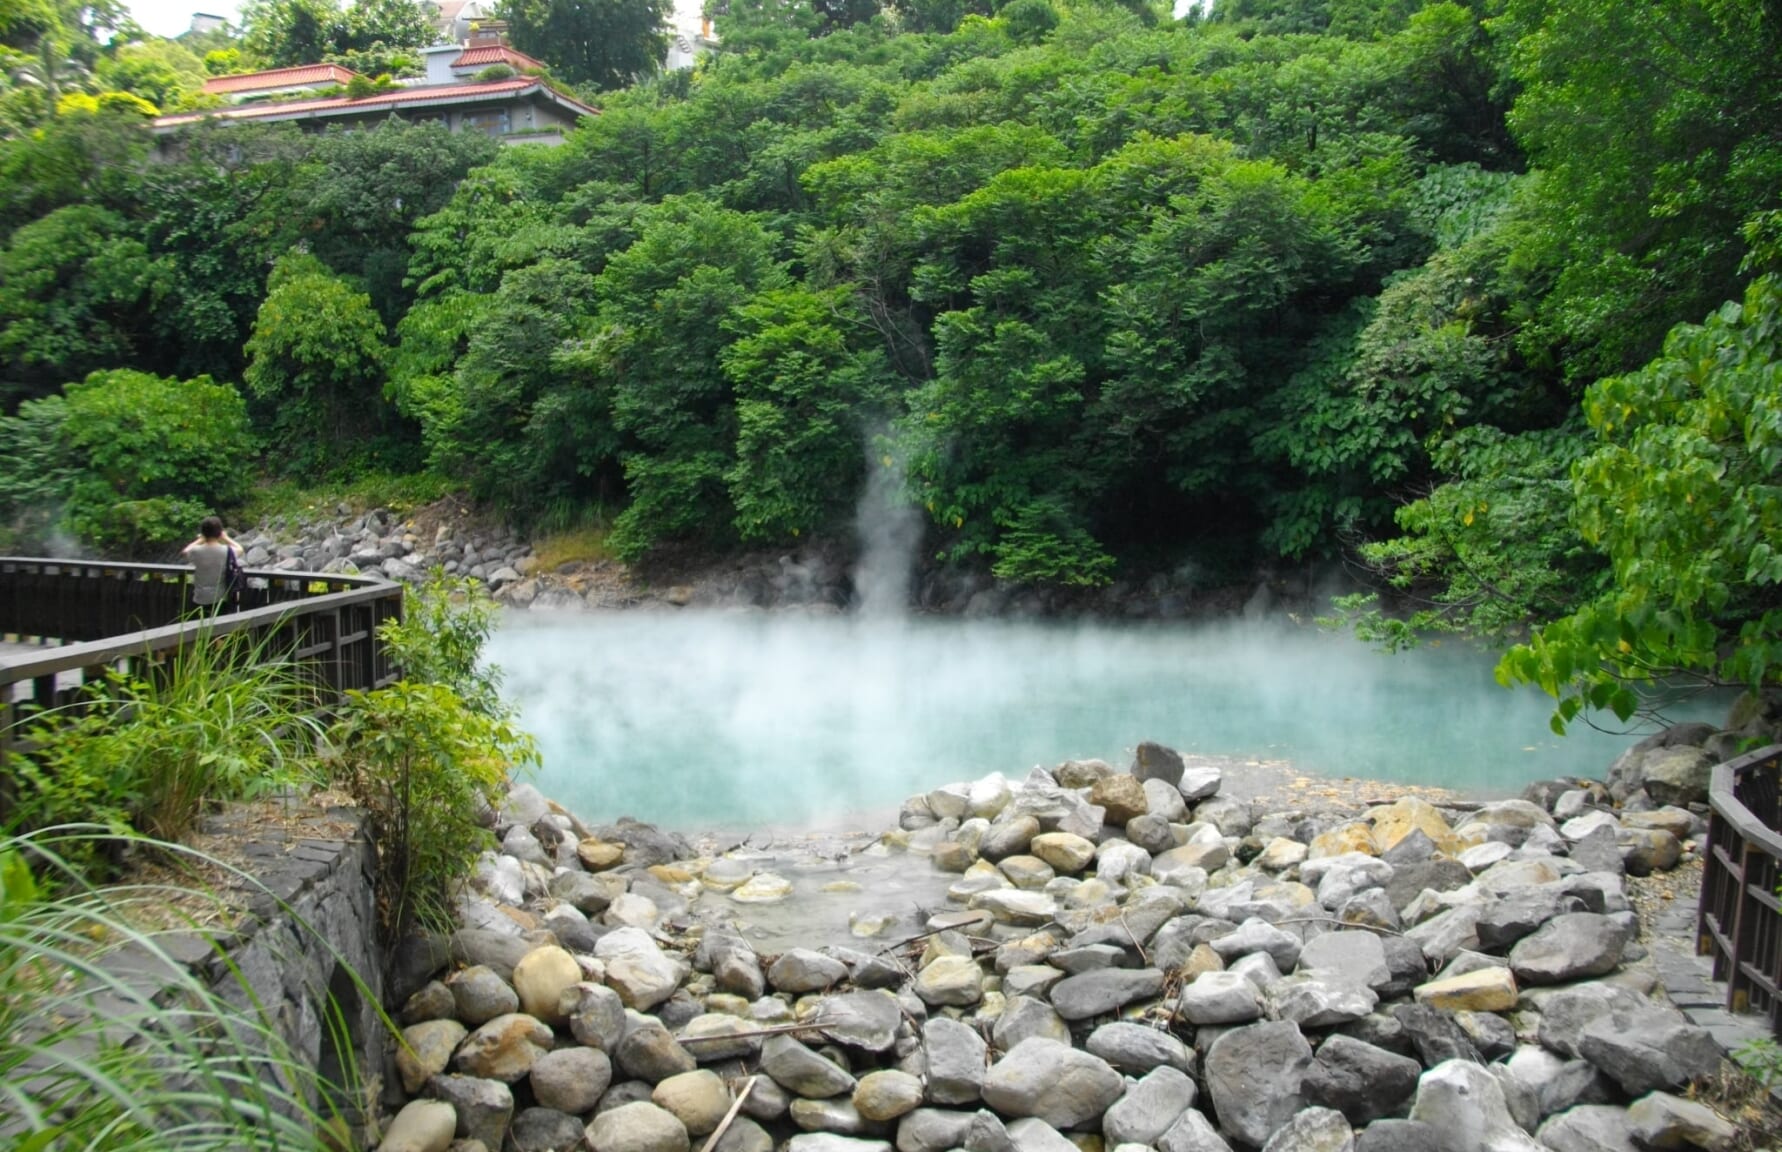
(171, 17)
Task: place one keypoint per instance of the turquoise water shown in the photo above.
(721, 720)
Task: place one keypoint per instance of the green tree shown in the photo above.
(316, 363)
(282, 33)
(154, 456)
(602, 43)
(76, 292)
(1680, 494)
(163, 72)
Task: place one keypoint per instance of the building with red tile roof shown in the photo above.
(278, 81)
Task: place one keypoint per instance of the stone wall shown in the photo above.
(304, 936)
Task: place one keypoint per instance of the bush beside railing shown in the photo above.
(1739, 918)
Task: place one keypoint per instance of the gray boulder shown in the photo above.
(1401, 1136)
(954, 1054)
(1063, 1086)
(544, 1130)
(637, 1127)
(802, 1072)
(1314, 1130)
(1649, 1050)
(1573, 946)
(1149, 1108)
(1255, 1076)
(1589, 1128)
(802, 970)
(1135, 1049)
(1155, 762)
(1363, 1082)
(1107, 990)
(932, 1130)
(1663, 1121)
(1193, 1132)
(484, 1107)
(1216, 998)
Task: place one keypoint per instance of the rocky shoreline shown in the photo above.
(816, 577)
(1125, 960)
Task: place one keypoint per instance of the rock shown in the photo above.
(1445, 936)
(713, 1036)
(1029, 872)
(802, 970)
(1165, 802)
(837, 1116)
(426, 1050)
(1677, 776)
(1172, 865)
(1032, 1135)
(637, 1127)
(1662, 1121)
(1009, 839)
(1401, 1136)
(865, 1020)
(1485, 990)
(1588, 1128)
(481, 995)
(1149, 1108)
(1318, 1000)
(540, 979)
(955, 1061)
(1569, 947)
(1122, 796)
(596, 1015)
(1053, 1082)
(1281, 854)
(933, 1130)
(744, 1135)
(597, 855)
(950, 980)
(1314, 1130)
(1257, 935)
(987, 1133)
(697, 1099)
(1255, 1076)
(828, 1142)
(1151, 831)
(1355, 837)
(1155, 762)
(649, 1053)
(1466, 1104)
(802, 1072)
(1200, 782)
(1107, 990)
(762, 888)
(1393, 822)
(1647, 850)
(571, 1079)
(887, 1094)
(1193, 1133)
(1360, 1080)
(504, 1049)
(1438, 875)
(1357, 957)
(545, 1130)
(1434, 1034)
(1518, 914)
(1133, 1049)
(433, 1001)
(1216, 998)
(1066, 852)
(639, 971)
(1648, 1050)
(1024, 1018)
(1012, 906)
(421, 1126)
(1557, 1083)
(484, 1107)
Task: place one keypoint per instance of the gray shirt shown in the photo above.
(208, 564)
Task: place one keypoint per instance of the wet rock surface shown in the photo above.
(1126, 957)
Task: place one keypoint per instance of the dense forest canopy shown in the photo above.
(1113, 291)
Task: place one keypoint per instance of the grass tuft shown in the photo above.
(584, 545)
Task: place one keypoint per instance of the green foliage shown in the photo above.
(163, 72)
(152, 457)
(219, 719)
(316, 363)
(174, 1062)
(36, 474)
(424, 764)
(282, 33)
(1679, 493)
(439, 640)
(600, 43)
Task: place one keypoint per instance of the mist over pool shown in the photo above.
(705, 720)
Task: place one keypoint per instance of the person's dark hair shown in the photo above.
(211, 527)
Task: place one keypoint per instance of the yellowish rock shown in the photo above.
(598, 854)
(1394, 822)
(1280, 854)
(674, 873)
(1356, 837)
(1065, 851)
(1486, 990)
(842, 886)
(1202, 959)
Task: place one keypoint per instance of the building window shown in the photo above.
(489, 123)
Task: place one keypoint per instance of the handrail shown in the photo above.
(1739, 915)
(325, 623)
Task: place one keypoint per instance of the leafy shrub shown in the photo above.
(158, 454)
(446, 621)
(496, 72)
(169, 1063)
(155, 749)
(35, 474)
(424, 764)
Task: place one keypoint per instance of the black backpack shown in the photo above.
(234, 579)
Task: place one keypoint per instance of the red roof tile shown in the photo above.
(434, 95)
(297, 77)
(490, 54)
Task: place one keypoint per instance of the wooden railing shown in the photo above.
(1739, 919)
(87, 617)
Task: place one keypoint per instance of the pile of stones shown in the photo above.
(378, 543)
(1128, 960)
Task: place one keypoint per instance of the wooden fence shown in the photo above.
(1739, 919)
(86, 617)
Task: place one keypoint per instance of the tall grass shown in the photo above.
(107, 1041)
(222, 718)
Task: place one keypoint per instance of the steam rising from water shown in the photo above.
(889, 528)
(723, 720)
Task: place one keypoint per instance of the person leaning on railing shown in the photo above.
(216, 567)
